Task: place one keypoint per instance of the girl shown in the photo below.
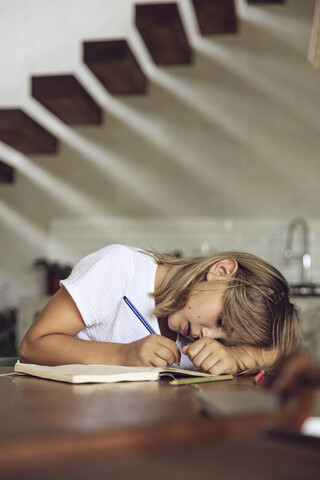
(228, 313)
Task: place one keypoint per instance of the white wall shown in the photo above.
(235, 135)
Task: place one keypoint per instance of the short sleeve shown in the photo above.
(98, 282)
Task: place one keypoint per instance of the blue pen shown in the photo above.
(138, 314)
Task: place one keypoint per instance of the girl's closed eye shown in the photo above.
(220, 321)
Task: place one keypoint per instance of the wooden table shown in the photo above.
(56, 430)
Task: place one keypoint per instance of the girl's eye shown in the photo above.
(220, 321)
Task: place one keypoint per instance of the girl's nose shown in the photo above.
(205, 332)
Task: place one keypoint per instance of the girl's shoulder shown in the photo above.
(116, 255)
(108, 264)
(110, 251)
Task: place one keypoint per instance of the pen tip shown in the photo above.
(124, 298)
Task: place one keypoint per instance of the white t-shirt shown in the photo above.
(98, 284)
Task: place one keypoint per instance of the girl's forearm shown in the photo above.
(60, 349)
(251, 359)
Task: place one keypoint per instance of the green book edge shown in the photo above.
(187, 381)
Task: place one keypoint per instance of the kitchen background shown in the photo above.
(219, 153)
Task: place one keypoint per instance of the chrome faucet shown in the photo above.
(303, 255)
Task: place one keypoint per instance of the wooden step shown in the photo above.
(21, 132)
(216, 16)
(114, 64)
(162, 30)
(64, 96)
(6, 173)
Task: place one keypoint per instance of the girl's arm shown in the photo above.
(51, 340)
(213, 357)
(253, 359)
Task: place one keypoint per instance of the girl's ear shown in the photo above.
(226, 267)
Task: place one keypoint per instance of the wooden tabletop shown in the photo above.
(35, 407)
(53, 426)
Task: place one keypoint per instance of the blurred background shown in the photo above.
(188, 126)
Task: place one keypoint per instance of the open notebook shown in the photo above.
(111, 373)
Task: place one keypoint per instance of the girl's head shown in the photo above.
(255, 303)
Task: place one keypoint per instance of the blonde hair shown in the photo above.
(256, 303)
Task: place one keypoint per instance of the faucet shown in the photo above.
(304, 255)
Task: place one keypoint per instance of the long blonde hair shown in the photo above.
(256, 303)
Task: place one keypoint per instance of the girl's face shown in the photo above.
(202, 316)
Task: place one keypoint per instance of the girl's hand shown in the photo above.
(151, 351)
(211, 356)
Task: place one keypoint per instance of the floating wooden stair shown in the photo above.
(65, 97)
(21, 132)
(114, 64)
(162, 30)
(216, 16)
(6, 173)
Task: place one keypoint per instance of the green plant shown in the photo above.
(54, 273)
(53, 268)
